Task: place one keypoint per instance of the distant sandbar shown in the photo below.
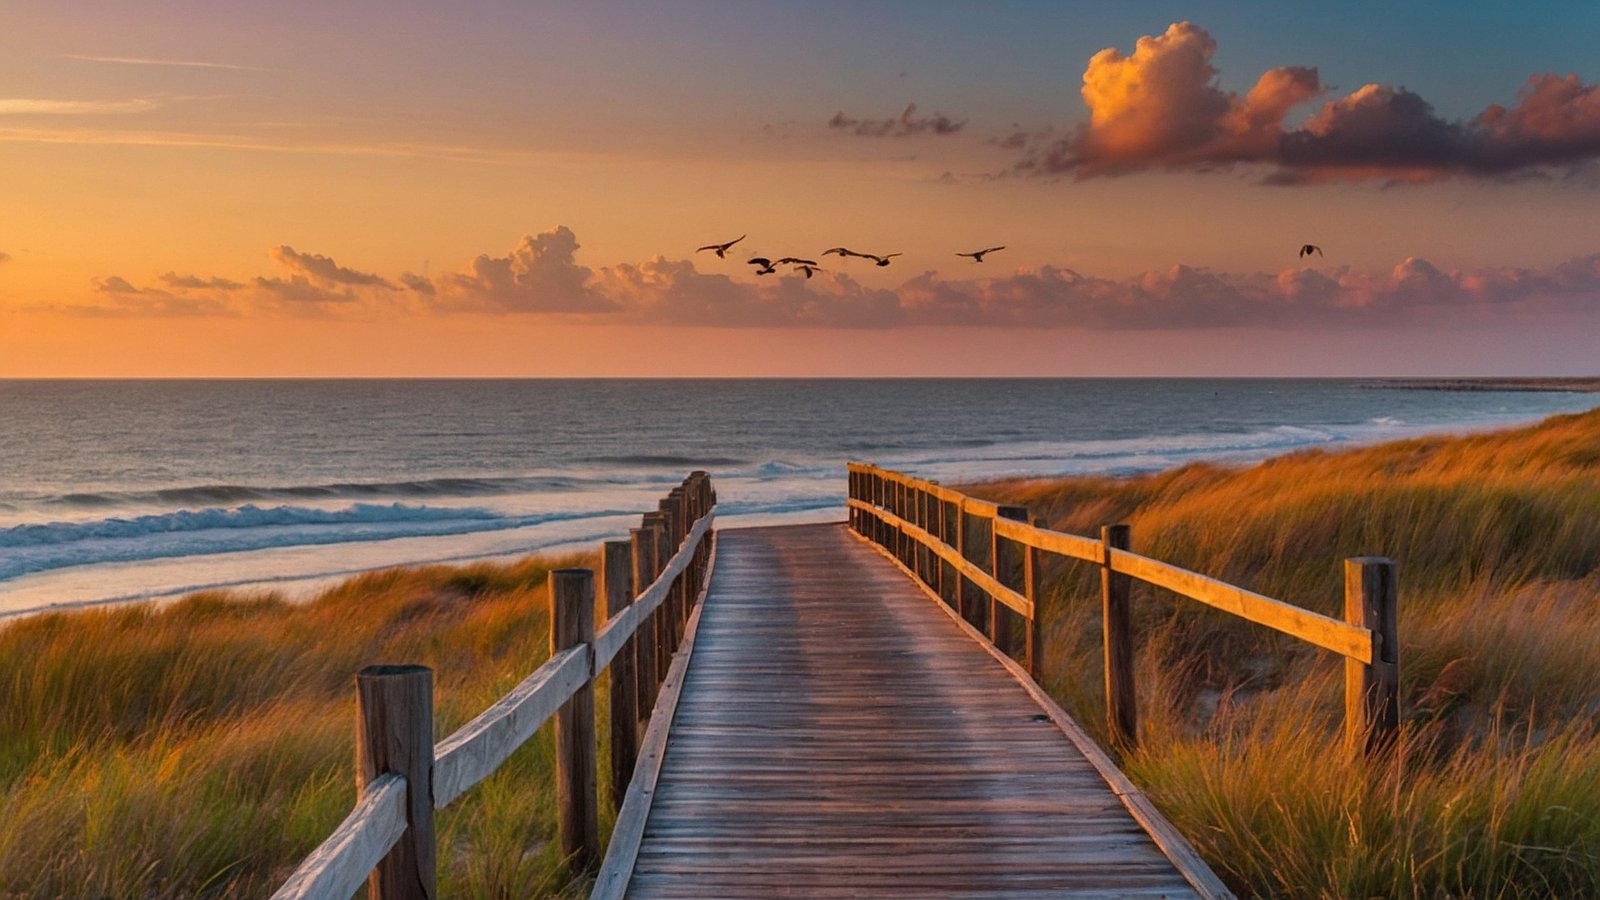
(1589, 385)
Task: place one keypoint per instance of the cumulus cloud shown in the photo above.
(1160, 107)
(124, 299)
(905, 125)
(539, 275)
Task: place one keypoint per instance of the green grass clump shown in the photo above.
(1493, 789)
(205, 747)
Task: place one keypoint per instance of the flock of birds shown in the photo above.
(767, 266)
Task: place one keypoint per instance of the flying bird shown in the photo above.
(808, 268)
(722, 249)
(977, 255)
(796, 260)
(880, 260)
(842, 252)
(765, 265)
(1308, 249)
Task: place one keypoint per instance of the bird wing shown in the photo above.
(761, 261)
(708, 247)
(797, 261)
(993, 249)
(887, 255)
(732, 242)
(975, 254)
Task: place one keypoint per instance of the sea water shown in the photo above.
(114, 491)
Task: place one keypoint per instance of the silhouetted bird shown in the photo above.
(722, 249)
(977, 255)
(881, 260)
(766, 267)
(796, 260)
(1308, 249)
(842, 252)
(808, 268)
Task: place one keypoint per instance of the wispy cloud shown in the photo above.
(44, 107)
(904, 125)
(147, 61)
(1160, 107)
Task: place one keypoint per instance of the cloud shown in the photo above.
(418, 283)
(674, 292)
(124, 300)
(539, 275)
(324, 271)
(173, 279)
(1160, 107)
(20, 106)
(143, 61)
(905, 125)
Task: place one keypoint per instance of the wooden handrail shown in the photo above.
(379, 825)
(340, 864)
(891, 508)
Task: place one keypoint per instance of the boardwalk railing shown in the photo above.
(387, 840)
(985, 561)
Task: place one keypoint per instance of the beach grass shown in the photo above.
(1493, 789)
(204, 748)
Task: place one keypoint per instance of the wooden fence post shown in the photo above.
(618, 585)
(572, 624)
(1006, 556)
(646, 636)
(394, 733)
(1372, 691)
(960, 545)
(1033, 582)
(1122, 715)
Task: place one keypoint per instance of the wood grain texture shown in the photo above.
(1349, 640)
(477, 748)
(577, 769)
(340, 864)
(1163, 832)
(394, 734)
(840, 735)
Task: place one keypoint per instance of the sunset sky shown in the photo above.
(518, 188)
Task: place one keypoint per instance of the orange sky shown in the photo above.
(195, 192)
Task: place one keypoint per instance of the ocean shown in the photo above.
(116, 491)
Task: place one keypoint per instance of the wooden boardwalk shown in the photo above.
(838, 735)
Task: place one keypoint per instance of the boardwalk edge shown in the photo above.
(1166, 836)
(623, 850)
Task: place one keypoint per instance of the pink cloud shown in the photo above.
(1160, 107)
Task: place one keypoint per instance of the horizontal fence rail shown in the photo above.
(387, 840)
(984, 560)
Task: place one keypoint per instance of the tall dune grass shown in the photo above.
(1494, 787)
(204, 748)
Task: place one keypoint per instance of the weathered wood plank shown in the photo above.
(340, 865)
(836, 737)
(1341, 637)
(623, 851)
(477, 748)
(1172, 842)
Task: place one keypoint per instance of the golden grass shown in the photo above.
(1493, 789)
(204, 748)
